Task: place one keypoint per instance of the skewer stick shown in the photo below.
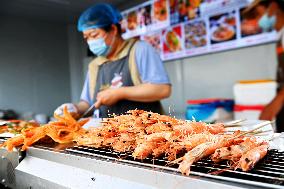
(275, 137)
(252, 133)
(261, 132)
(258, 126)
(234, 123)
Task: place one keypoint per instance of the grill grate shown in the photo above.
(3, 139)
(269, 172)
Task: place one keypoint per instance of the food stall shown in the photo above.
(146, 150)
(113, 155)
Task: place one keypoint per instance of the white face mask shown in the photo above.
(99, 46)
(267, 23)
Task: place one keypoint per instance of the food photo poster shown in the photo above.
(184, 28)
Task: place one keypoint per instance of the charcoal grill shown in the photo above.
(70, 166)
(87, 167)
(267, 173)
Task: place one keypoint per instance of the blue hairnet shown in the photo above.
(98, 16)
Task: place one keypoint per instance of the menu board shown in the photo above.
(183, 28)
(145, 18)
(154, 39)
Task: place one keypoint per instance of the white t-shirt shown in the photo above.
(281, 36)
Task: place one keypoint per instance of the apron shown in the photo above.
(280, 78)
(115, 74)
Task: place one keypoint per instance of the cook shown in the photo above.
(274, 18)
(125, 75)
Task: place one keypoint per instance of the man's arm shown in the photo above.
(273, 108)
(146, 92)
(142, 93)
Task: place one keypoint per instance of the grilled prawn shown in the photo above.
(204, 150)
(193, 127)
(234, 152)
(249, 159)
(149, 143)
(187, 143)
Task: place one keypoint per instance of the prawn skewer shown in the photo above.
(161, 149)
(234, 152)
(204, 150)
(249, 159)
(194, 127)
(188, 143)
(150, 142)
(208, 148)
(126, 142)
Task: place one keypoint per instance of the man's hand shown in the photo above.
(272, 109)
(140, 93)
(108, 97)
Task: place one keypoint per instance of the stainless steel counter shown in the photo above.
(54, 167)
(8, 162)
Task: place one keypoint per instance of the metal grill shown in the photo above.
(3, 139)
(269, 172)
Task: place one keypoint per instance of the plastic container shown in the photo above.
(255, 92)
(210, 110)
(249, 112)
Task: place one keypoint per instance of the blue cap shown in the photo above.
(98, 16)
